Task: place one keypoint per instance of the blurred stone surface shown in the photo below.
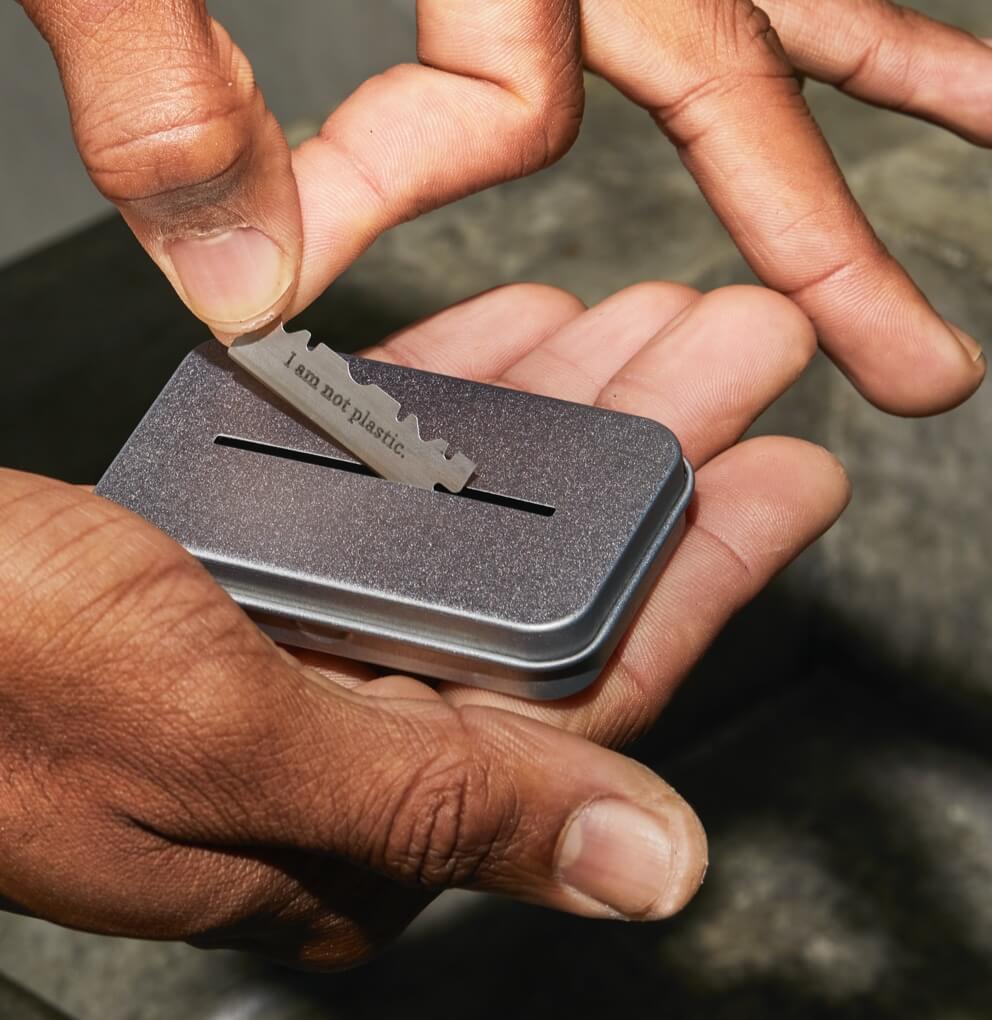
(835, 740)
(20, 1004)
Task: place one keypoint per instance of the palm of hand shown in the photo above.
(173, 775)
(704, 366)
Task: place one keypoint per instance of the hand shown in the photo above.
(170, 773)
(172, 129)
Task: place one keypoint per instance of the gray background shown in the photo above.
(836, 740)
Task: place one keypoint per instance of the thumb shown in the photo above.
(173, 130)
(433, 796)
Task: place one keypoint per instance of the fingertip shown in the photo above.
(627, 861)
(482, 336)
(938, 373)
(826, 474)
(788, 449)
(887, 338)
(806, 481)
(764, 315)
(595, 833)
(549, 296)
(236, 282)
(173, 130)
(545, 307)
(690, 864)
(972, 348)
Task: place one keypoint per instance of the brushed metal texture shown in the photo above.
(439, 584)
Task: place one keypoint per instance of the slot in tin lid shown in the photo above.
(541, 563)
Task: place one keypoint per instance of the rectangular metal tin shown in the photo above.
(411, 579)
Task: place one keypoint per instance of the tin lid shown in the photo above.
(534, 562)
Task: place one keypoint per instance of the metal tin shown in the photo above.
(524, 583)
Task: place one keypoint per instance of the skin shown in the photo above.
(172, 129)
(170, 773)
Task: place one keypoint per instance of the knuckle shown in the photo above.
(883, 62)
(732, 50)
(635, 707)
(342, 127)
(548, 128)
(169, 149)
(552, 306)
(92, 12)
(448, 821)
(176, 121)
(554, 91)
(737, 562)
(739, 29)
(428, 841)
(770, 314)
(855, 260)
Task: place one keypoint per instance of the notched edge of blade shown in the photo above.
(456, 467)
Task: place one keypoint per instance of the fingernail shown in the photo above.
(621, 857)
(234, 279)
(972, 347)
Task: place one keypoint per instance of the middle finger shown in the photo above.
(717, 81)
(707, 369)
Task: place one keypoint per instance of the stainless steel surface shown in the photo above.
(525, 582)
(364, 419)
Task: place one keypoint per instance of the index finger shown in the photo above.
(715, 78)
(498, 95)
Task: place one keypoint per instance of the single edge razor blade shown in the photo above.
(362, 418)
